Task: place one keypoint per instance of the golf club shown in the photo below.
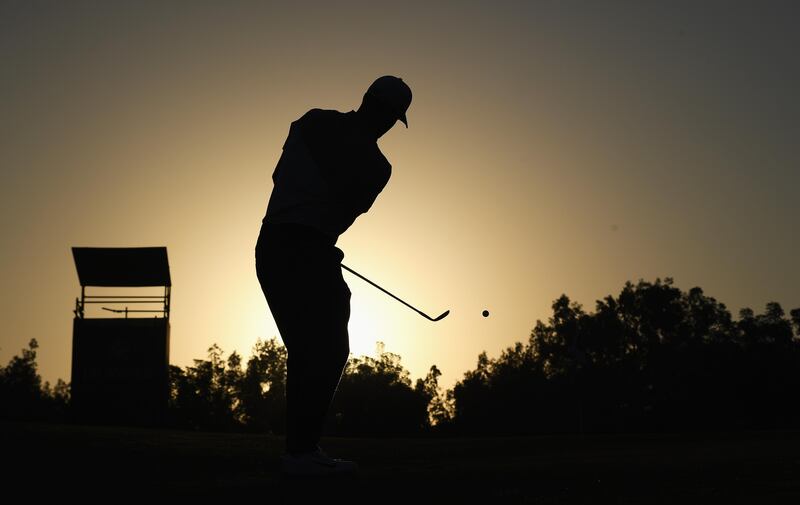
(426, 316)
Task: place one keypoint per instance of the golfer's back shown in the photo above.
(331, 170)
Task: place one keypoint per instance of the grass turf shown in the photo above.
(117, 462)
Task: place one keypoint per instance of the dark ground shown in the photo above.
(122, 463)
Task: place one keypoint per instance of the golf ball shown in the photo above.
(485, 313)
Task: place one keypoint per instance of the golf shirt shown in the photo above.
(330, 172)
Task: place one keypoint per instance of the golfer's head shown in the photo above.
(386, 100)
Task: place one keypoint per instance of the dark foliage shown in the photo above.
(654, 358)
(22, 395)
(218, 394)
(375, 396)
(204, 396)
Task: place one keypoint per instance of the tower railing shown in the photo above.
(116, 300)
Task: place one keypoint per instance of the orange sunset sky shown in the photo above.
(553, 147)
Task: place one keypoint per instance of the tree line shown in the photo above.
(653, 358)
(375, 397)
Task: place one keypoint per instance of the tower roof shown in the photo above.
(122, 266)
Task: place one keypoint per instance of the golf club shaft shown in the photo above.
(390, 294)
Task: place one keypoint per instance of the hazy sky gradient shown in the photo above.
(554, 147)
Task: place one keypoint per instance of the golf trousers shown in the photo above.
(299, 270)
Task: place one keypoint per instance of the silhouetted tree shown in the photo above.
(262, 390)
(654, 357)
(204, 395)
(768, 368)
(795, 313)
(375, 397)
(440, 406)
(22, 394)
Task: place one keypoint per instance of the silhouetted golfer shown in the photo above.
(330, 172)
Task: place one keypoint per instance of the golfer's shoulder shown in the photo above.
(322, 118)
(322, 125)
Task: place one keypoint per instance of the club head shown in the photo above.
(442, 316)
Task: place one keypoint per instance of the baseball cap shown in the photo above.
(394, 93)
